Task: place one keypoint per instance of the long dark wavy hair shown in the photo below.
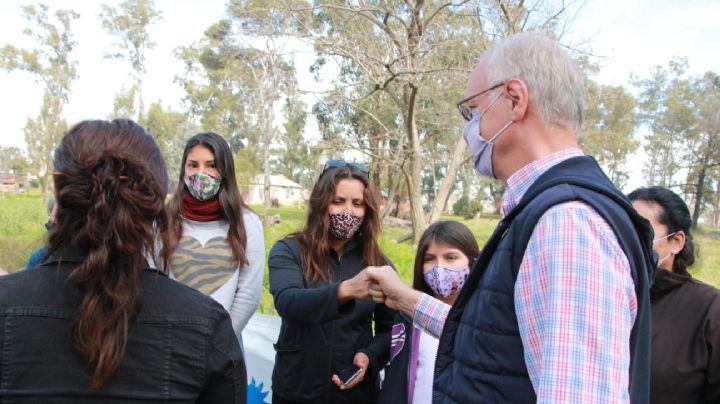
(110, 186)
(675, 215)
(454, 234)
(314, 239)
(231, 202)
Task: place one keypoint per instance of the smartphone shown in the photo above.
(349, 374)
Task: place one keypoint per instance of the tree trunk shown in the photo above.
(413, 174)
(458, 157)
(395, 181)
(716, 205)
(141, 105)
(402, 190)
(699, 187)
(267, 129)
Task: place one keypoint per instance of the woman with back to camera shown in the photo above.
(685, 357)
(320, 291)
(216, 242)
(94, 323)
(445, 254)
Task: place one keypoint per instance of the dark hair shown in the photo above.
(676, 216)
(454, 234)
(314, 239)
(231, 202)
(110, 185)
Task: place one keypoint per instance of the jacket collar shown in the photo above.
(353, 244)
(75, 255)
(666, 282)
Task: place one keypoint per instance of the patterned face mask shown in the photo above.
(202, 186)
(445, 281)
(343, 226)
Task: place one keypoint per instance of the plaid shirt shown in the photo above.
(574, 300)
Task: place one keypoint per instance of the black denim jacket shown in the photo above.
(181, 346)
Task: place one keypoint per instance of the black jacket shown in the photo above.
(318, 337)
(181, 346)
(395, 385)
(685, 340)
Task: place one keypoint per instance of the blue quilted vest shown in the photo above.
(480, 356)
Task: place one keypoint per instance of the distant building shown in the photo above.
(283, 190)
(10, 182)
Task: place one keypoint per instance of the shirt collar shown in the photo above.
(521, 180)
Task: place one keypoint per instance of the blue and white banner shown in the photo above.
(259, 335)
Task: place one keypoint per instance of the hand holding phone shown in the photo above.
(349, 374)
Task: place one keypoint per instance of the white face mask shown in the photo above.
(669, 254)
(480, 148)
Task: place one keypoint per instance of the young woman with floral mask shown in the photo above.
(320, 291)
(216, 242)
(446, 252)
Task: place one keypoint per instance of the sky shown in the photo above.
(628, 36)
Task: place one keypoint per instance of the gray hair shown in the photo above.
(554, 79)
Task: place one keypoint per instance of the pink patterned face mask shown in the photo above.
(343, 226)
(445, 281)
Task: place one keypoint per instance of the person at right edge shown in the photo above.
(685, 360)
(557, 307)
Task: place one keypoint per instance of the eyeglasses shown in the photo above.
(465, 109)
(342, 163)
(666, 237)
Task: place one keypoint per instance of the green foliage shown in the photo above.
(129, 23)
(295, 159)
(13, 159)
(231, 86)
(171, 130)
(247, 165)
(467, 208)
(608, 129)
(21, 228)
(124, 103)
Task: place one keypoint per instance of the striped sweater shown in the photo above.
(203, 261)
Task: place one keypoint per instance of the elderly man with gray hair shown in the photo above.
(557, 306)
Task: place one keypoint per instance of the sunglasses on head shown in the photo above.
(342, 163)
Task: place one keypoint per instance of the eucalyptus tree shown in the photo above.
(129, 23)
(683, 141)
(608, 132)
(416, 53)
(49, 62)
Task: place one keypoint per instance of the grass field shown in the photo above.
(22, 218)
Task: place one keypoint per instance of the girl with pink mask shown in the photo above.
(446, 252)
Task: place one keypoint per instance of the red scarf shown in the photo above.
(201, 211)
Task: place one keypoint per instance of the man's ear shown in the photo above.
(517, 91)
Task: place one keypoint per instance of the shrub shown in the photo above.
(466, 208)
